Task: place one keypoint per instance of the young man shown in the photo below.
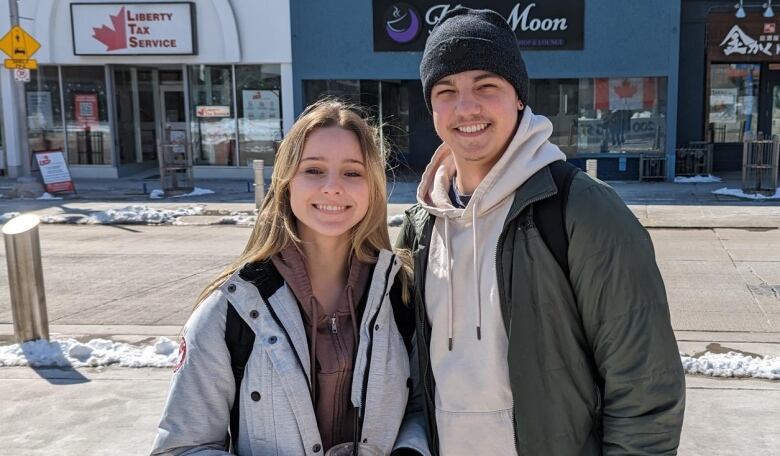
(521, 352)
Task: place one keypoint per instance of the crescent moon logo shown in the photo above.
(403, 24)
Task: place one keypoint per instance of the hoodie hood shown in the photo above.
(528, 152)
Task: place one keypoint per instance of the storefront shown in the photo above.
(119, 81)
(603, 71)
(732, 87)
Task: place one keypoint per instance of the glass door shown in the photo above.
(769, 122)
(127, 125)
(173, 117)
(775, 102)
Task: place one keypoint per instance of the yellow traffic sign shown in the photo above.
(20, 64)
(18, 44)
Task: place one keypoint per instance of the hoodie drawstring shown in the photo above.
(449, 279)
(476, 271)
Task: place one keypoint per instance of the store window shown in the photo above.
(44, 110)
(343, 89)
(259, 93)
(86, 115)
(386, 102)
(732, 105)
(598, 115)
(213, 124)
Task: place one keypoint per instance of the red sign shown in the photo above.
(212, 111)
(85, 106)
(54, 171)
(134, 28)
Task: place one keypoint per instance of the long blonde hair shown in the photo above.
(275, 228)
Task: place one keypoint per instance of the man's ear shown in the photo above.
(520, 105)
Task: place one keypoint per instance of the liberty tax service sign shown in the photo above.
(133, 28)
(54, 171)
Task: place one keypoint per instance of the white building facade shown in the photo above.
(119, 80)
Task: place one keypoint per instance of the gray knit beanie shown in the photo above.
(466, 39)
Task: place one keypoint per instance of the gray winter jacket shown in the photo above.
(276, 412)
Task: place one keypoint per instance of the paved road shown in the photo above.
(718, 279)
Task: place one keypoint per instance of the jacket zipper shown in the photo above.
(333, 328)
(502, 297)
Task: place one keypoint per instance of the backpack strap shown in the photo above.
(549, 215)
(240, 338)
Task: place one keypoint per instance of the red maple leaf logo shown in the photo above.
(115, 38)
(625, 89)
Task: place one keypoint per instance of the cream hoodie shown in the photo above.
(469, 345)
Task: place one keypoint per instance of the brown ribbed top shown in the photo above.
(332, 343)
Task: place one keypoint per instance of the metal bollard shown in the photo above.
(25, 278)
(258, 165)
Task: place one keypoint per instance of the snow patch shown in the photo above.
(395, 220)
(97, 352)
(197, 191)
(697, 179)
(48, 196)
(164, 352)
(137, 215)
(8, 216)
(237, 218)
(740, 194)
(732, 364)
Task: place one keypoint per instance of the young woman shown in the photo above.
(316, 298)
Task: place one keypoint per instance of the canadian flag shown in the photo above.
(625, 93)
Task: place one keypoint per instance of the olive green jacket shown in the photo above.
(593, 363)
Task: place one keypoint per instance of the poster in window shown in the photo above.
(723, 105)
(261, 104)
(261, 115)
(85, 106)
(39, 110)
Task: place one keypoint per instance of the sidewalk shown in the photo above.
(115, 412)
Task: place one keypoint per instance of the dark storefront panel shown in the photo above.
(423, 140)
(387, 103)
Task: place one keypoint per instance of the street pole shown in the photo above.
(21, 111)
(257, 167)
